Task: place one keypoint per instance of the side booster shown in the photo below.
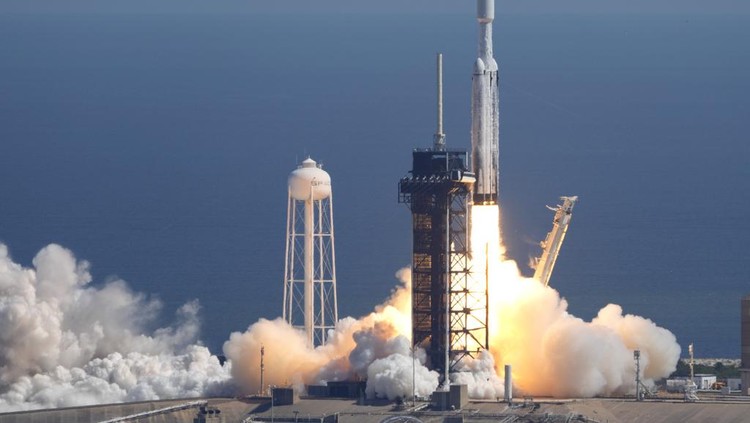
(485, 111)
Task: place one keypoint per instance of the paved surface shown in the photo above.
(712, 408)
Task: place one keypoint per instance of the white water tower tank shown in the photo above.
(308, 180)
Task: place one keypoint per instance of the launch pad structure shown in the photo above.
(449, 306)
(544, 264)
(450, 300)
(445, 318)
(437, 192)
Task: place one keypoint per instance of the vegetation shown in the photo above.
(719, 369)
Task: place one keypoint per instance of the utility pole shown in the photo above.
(692, 363)
(413, 378)
(638, 394)
(262, 367)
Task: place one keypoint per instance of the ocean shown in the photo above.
(157, 147)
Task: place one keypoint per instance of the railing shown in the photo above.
(178, 407)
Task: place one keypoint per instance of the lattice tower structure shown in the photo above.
(445, 318)
(310, 301)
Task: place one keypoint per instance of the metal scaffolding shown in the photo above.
(445, 319)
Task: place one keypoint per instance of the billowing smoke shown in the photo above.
(480, 376)
(555, 353)
(65, 343)
(375, 347)
(551, 351)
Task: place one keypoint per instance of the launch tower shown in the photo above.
(438, 192)
(310, 269)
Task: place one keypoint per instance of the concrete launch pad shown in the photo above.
(714, 408)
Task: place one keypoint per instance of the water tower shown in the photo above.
(310, 269)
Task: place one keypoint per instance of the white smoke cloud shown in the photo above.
(118, 378)
(392, 376)
(350, 352)
(659, 349)
(369, 348)
(479, 376)
(66, 343)
(555, 353)
(551, 351)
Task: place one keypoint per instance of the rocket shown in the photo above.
(485, 111)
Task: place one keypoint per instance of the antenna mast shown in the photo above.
(439, 134)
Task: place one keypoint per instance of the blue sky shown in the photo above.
(379, 6)
(120, 98)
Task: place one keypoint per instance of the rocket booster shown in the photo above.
(485, 111)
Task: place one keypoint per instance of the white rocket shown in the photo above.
(485, 111)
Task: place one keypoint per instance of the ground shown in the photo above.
(712, 407)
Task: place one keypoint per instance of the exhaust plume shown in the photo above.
(376, 347)
(553, 352)
(64, 342)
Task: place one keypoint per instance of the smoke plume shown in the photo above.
(65, 343)
(375, 347)
(553, 352)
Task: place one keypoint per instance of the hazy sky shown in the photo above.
(379, 6)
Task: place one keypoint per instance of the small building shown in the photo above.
(459, 396)
(320, 391)
(347, 389)
(455, 399)
(704, 381)
(677, 384)
(283, 396)
(734, 384)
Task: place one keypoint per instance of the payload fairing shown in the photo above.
(484, 111)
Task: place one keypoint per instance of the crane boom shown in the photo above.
(551, 245)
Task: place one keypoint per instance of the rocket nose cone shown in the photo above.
(486, 10)
(479, 66)
(492, 65)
